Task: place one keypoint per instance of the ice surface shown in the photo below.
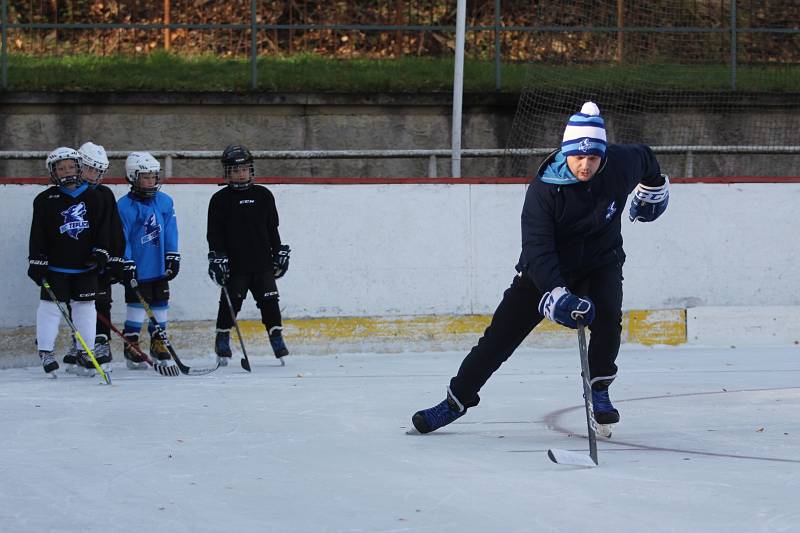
(708, 442)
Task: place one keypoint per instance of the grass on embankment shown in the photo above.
(307, 73)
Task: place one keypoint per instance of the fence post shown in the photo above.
(733, 44)
(4, 53)
(253, 46)
(432, 167)
(498, 54)
(689, 172)
(168, 166)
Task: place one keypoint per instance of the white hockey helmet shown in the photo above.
(142, 163)
(94, 156)
(61, 154)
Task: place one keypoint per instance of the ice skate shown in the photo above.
(49, 363)
(102, 352)
(604, 412)
(71, 357)
(278, 346)
(85, 366)
(439, 415)
(222, 346)
(133, 360)
(158, 350)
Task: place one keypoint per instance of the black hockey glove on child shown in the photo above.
(218, 268)
(37, 268)
(172, 263)
(97, 259)
(280, 261)
(129, 273)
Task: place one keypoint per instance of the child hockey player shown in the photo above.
(151, 254)
(94, 164)
(571, 261)
(68, 245)
(245, 250)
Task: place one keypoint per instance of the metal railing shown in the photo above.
(497, 28)
(688, 151)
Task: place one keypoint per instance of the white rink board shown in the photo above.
(392, 250)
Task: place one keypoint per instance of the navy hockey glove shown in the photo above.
(97, 259)
(37, 268)
(129, 273)
(649, 202)
(564, 308)
(280, 261)
(218, 268)
(172, 264)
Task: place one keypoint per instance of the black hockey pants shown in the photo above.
(265, 292)
(518, 314)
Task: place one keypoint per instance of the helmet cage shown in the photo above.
(144, 192)
(94, 156)
(139, 163)
(227, 174)
(63, 154)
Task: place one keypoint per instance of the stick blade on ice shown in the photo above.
(566, 457)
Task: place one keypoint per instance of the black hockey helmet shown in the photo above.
(236, 156)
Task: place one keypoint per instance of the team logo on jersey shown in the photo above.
(152, 231)
(585, 145)
(611, 209)
(74, 220)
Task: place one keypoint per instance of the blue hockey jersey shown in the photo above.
(151, 231)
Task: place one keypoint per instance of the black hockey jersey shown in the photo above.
(116, 236)
(67, 226)
(243, 224)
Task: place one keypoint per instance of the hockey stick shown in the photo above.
(566, 457)
(164, 370)
(245, 361)
(75, 331)
(158, 330)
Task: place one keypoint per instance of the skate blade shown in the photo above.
(52, 375)
(604, 430)
(413, 431)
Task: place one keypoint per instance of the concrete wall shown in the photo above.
(394, 250)
(126, 122)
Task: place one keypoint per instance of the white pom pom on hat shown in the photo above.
(585, 133)
(591, 109)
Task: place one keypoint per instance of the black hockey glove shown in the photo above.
(97, 259)
(172, 263)
(129, 273)
(114, 269)
(280, 261)
(218, 268)
(37, 268)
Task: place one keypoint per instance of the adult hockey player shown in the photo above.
(151, 254)
(68, 245)
(571, 261)
(94, 165)
(245, 250)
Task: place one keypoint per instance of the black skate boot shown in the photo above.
(133, 360)
(102, 352)
(85, 366)
(439, 415)
(49, 362)
(604, 411)
(222, 346)
(278, 345)
(71, 357)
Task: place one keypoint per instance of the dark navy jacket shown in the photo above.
(568, 230)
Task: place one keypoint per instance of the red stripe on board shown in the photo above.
(404, 181)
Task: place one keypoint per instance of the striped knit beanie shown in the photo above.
(585, 133)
